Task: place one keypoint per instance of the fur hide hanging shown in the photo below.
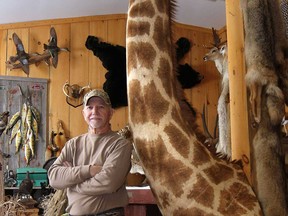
(113, 58)
(265, 44)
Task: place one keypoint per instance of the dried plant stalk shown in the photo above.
(10, 206)
(55, 204)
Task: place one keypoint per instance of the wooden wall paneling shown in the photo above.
(199, 93)
(78, 73)
(58, 107)
(3, 47)
(62, 21)
(117, 31)
(37, 37)
(96, 70)
(190, 59)
(117, 36)
(23, 34)
(202, 94)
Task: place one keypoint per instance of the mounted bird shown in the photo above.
(25, 191)
(21, 56)
(26, 186)
(25, 59)
(53, 48)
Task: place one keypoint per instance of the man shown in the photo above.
(93, 166)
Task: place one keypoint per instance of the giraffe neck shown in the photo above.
(184, 176)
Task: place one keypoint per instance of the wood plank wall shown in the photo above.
(81, 67)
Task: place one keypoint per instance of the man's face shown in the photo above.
(97, 114)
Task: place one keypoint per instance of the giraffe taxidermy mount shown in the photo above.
(185, 177)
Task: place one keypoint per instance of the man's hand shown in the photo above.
(94, 169)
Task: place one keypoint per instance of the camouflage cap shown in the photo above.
(96, 93)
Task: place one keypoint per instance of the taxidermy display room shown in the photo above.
(197, 90)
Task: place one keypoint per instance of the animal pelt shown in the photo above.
(282, 48)
(187, 76)
(265, 56)
(261, 53)
(224, 144)
(183, 46)
(268, 176)
(113, 58)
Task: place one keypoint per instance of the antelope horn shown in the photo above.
(216, 38)
(64, 89)
(206, 131)
(216, 126)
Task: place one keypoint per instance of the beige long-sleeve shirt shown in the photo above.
(93, 194)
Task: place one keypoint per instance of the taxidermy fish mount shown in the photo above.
(23, 60)
(3, 121)
(74, 94)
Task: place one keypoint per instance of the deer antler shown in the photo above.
(64, 88)
(88, 86)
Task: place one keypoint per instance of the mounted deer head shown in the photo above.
(74, 93)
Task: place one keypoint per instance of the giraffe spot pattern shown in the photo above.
(242, 195)
(164, 200)
(143, 51)
(176, 116)
(202, 192)
(163, 70)
(142, 9)
(219, 173)
(191, 212)
(162, 43)
(139, 111)
(200, 155)
(229, 204)
(177, 140)
(138, 28)
(160, 165)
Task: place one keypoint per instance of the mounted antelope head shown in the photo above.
(215, 54)
(74, 93)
